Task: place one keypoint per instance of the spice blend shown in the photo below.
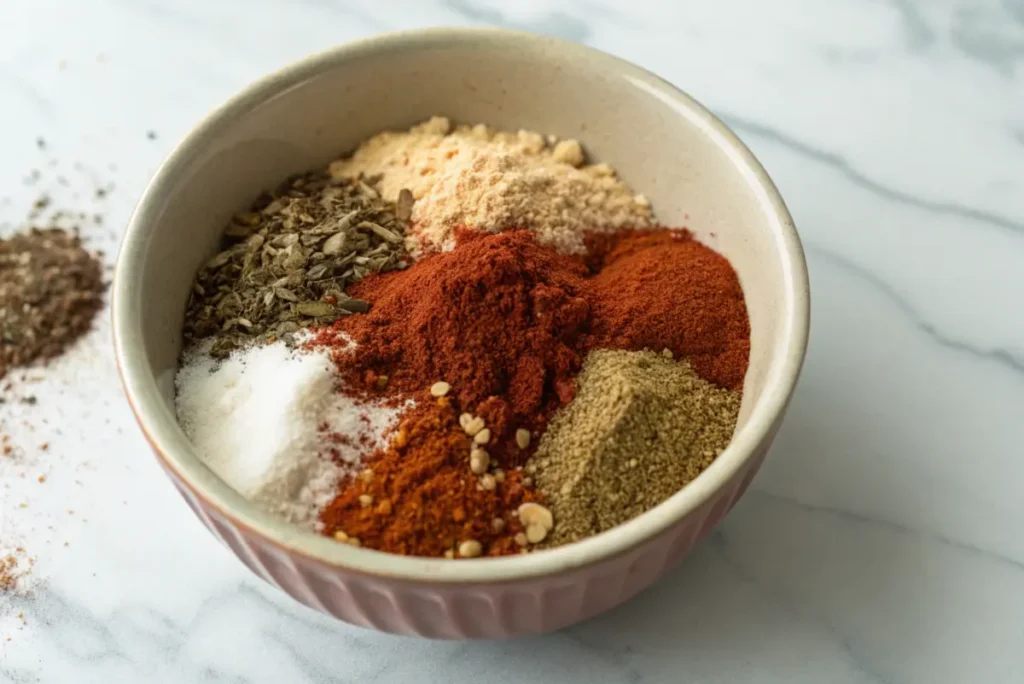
(641, 426)
(420, 497)
(51, 289)
(288, 261)
(480, 346)
(495, 181)
(499, 319)
(692, 303)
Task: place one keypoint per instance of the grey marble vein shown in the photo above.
(555, 23)
(25, 90)
(880, 542)
(1015, 9)
(982, 34)
(971, 550)
(1008, 359)
(982, 216)
(719, 542)
(919, 32)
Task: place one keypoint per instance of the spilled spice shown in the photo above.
(51, 289)
(14, 566)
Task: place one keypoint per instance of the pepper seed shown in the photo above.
(474, 425)
(470, 548)
(439, 389)
(488, 482)
(522, 438)
(479, 460)
(482, 437)
(535, 533)
(532, 513)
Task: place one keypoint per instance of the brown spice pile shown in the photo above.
(641, 427)
(51, 288)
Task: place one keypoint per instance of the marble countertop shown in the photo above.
(881, 541)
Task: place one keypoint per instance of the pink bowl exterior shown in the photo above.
(490, 610)
(438, 607)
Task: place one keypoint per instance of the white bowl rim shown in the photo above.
(170, 443)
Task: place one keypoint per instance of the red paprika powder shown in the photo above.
(658, 289)
(420, 498)
(500, 318)
(506, 322)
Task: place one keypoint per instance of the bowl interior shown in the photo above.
(663, 144)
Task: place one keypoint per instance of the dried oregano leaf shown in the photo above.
(286, 262)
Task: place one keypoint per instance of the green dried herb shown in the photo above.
(285, 264)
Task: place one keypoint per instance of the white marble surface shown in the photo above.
(881, 542)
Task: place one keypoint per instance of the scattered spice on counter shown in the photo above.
(661, 289)
(51, 289)
(15, 565)
(478, 178)
(641, 426)
(286, 263)
(419, 496)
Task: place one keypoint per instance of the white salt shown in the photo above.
(260, 420)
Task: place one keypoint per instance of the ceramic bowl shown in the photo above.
(664, 144)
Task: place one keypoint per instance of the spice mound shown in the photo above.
(498, 318)
(692, 303)
(51, 289)
(641, 426)
(286, 262)
(266, 419)
(420, 497)
(494, 181)
(461, 342)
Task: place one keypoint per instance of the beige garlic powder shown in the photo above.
(475, 177)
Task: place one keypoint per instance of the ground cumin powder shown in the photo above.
(641, 426)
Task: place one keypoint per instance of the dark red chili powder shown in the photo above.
(660, 289)
(506, 322)
(500, 318)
